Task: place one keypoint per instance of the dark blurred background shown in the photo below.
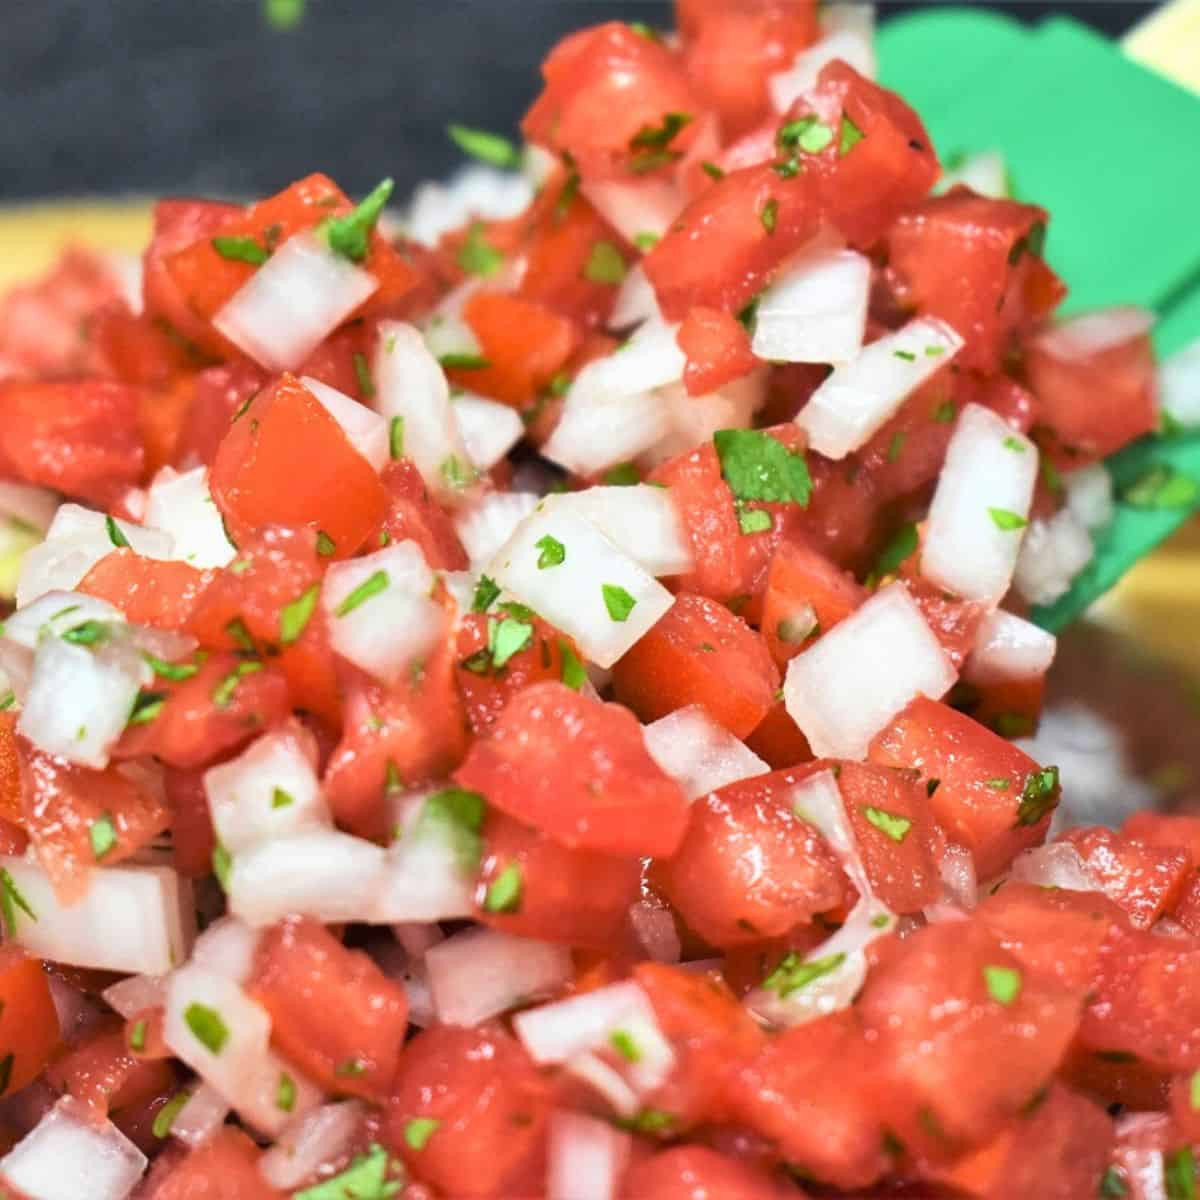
(128, 96)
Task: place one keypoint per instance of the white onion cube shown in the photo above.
(1008, 647)
(181, 505)
(1052, 554)
(702, 755)
(640, 520)
(484, 526)
(364, 428)
(488, 428)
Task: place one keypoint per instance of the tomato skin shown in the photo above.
(101, 1072)
(964, 756)
(192, 729)
(489, 1101)
(149, 591)
(333, 1012)
(416, 730)
(415, 516)
(62, 801)
(135, 349)
(713, 1037)
(952, 1050)
(717, 347)
(1145, 880)
(699, 653)
(81, 438)
(218, 393)
(573, 896)
(579, 771)
(192, 837)
(28, 1020)
(958, 257)
(286, 461)
(813, 1092)
(603, 87)
(224, 1167)
(525, 343)
(697, 1173)
(749, 868)
(1097, 402)
(721, 251)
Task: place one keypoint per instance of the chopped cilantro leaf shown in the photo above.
(369, 587)
(945, 412)
(486, 591)
(103, 835)
(1006, 520)
(418, 1131)
(1014, 444)
(137, 1035)
(849, 136)
(115, 534)
(712, 170)
(770, 215)
(170, 670)
(573, 673)
(87, 634)
(165, 1117)
(506, 638)
(896, 446)
(146, 707)
(348, 235)
(1003, 984)
(504, 892)
(222, 864)
(753, 520)
(605, 264)
(658, 136)
(456, 473)
(284, 14)
(794, 972)
(491, 148)
(891, 825)
(223, 692)
(1179, 1174)
(645, 241)
(294, 617)
(396, 437)
(553, 552)
(1050, 476)
(622, 475)
(1113, 1185)
(281, 798)
(624, 1043)
(208, 1027)
(11, 900)
(807, 133)
(366, 1178)
(326, 546)
(285, 1093)
(905, 355)
(618, 601)
(1039, 796)
(903, 545)
(241, 249)
(457, 815)
(757, 467)
(362, 372)
(477, 256)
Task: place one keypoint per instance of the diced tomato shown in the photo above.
(608, 95)
(1145, 1141)
(955, 623)
(223, 1167)
(343, 360)
(813, 1092)
(574, 896)
(733, 48)
(192, 836)
(749, 867)
(10, 769)
(890, 813)
(801, 582)
(1094, 402)
(1172, 830)
(958, 257)
(64, 803)
(990, 796)
(28, 1020)
(219, 393)
(149, 591)
(712, 1035)
(699, 653)
(180, 223)
(844, 519)
(1145, 1001)
(1012, 707)
(226, 703)
(81, 438)
(717, 347)
(728, 242)
(102, 1073)
(286, 461)
(487, 1104)
(415, 731)
(698, 1173)
(525, 344)
(778, 740)
(136, 349)
(579, 771)
(414, 515)
(890, 167)
(1145, 880)
(162, 413)
(333, 1012)
(1053, 932)
(966, 1037)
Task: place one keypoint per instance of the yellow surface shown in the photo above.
(1168, 41)
(31, 236)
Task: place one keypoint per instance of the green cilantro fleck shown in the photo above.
(553, 552)
(208, 1027)
(350, 1068)
(1003, 984)
(280, 798)
(491, 148)
(1113, 1185)
(285, 1093)
(1012, 724)
(904, 355)
(1000, 784)
(903, 544)
(241, 249)
(645, 241)
(794, 972)
(945, 412)
(770, 215)
(137, 1036)
(11, 900)
(1179, 1174)
(896, 446)
(891, 825)
(362, 372)
(223, 692)
(371, 586)
(240, 634)
(477, 256)
(326, 546)
(222, 864)
(506, 638)
(1006, 520)
(712, 170)
(115, 534)
(807, 133)
(604, 264)
(1050, 476)
(366, 1178)
(103, 835)
(486, 591)
(753, 520)
(283, 15)
(618, 601)
(622, 475)
(625, 1045)
(757, 467)
(165, 1117)
(504, 892)
(87, 634)
(657, 137)
(456, 473)
(7, 701)
(294, 617)
(1039, 796)
(146, 707)
(396, 437)
(573, 673)
(457, 815)
(849, 136)
(348, 235)
(418, 1131)
(170, 670)
(1014, 444)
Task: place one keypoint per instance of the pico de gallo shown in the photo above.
(525, 701)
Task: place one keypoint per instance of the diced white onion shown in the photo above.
(394, 627)
(605, 1081)
(481, 973)
(850, 45)
(320, 873)
(700, 754)
(258, 1104)
(571, 595)
(484, 526)
(135, 994)
(818, 800)
(635, 302)
(476, 191)
(586, 1157)
(32, 506)
(1008, 647)
(816, 312)
(985, 173)
(53, 614)
(202, 1114)
(694, 419)
(1052, 554)
(364, 428)
(321, 1136)
(844, 689)
(985, 488)
(69, 1155)
(293, 302)
(633, 207)
(640, 520)
(858, 399)
(1092, 333)
(417, 938)
(133, 919)
(489, 429)
(650, 359)
(1090, 495)
(269, 790)
(411, 387)
(1179, 385)
(180, 504)
(654, 928)
(1056, 865)
(957, 870)
(227, 947)
(594, 435)
(446, 332)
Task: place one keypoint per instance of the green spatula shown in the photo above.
(1113, 151)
